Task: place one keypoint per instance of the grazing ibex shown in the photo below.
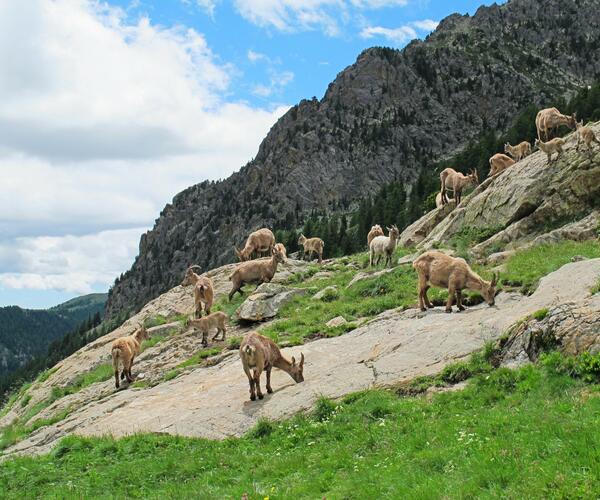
(519, 151)
(587, 135)
(499, 163)
(216, 320)
(203, 290)
(549, 119)
(311, 245)
(126, 349)
(260, 242)
(373, 233)
(260, 353)
(384, 245)
(553, 146)
(440, 270)
(451, 179)
(256, 271)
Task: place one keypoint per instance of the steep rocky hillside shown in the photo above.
(383, 118)
(357, 328)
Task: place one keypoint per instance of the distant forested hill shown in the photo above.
(26, 333)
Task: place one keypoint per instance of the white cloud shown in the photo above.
(256, 56)
(70, 263)
(400, 35)
(208, 6)
(426, 24)
(101, 122)
(278, 80)
(396, 35)
(292, 15)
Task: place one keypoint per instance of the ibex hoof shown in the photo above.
(269, 390)
(253, 398)
(448, 310)
(260, 396)
(431, 306)
(423, 309)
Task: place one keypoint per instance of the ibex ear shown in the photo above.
(494, 279)
(301, 359)
(293, 360)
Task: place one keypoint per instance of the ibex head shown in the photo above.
(297, 369)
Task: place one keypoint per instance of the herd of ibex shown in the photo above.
(434, 268)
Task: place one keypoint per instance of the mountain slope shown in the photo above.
(25, 333)
(383, 118)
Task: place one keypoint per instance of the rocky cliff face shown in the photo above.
(383, 118)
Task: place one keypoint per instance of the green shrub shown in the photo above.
(540, 314)
(324, 408)
(586, 366)
(263, 428)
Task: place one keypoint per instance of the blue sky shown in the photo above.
(310, 53)
(107, 110)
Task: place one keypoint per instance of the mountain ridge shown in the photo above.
(384, 118)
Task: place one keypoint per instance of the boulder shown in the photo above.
(367, 275)
(573, 328)
(265, 301)
(337, 321)
(328, 293)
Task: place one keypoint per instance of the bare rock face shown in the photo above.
(384, 118)
(266, 301)
(420, 229)
(394, 347)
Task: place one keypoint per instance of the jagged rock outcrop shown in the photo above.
(394, 347)
(572, 328)
(532, 202)
(383, 118)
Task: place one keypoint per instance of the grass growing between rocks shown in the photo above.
(305, 317)
(530, 433)
(526, 267)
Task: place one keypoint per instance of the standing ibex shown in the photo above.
(259, 242)
(312, 245)
(519, 151)
(451, 179)
(553, 146)
(384, 245)
(125, 349)
(550, 119)
(203, 290)
(373, 233)
(586, 134)
(256, 271)
(438, 269)
(260, 353)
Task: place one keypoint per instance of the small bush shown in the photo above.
(541, 314)
(25, 400)
(155, 321)
(586, 366)
(323, 409)
(234, 343)
(263, 428)
(456, 372)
